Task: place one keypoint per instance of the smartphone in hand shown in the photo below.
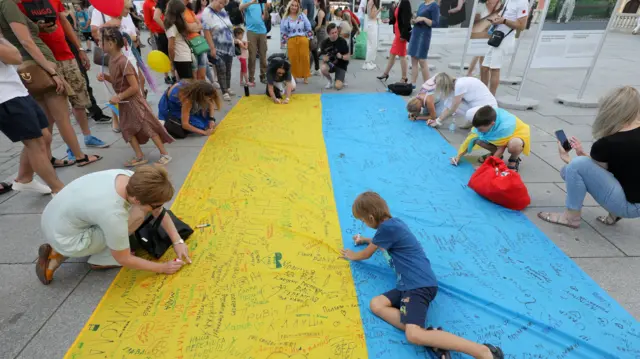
(564, 141)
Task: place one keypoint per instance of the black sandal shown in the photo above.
(440, 353)
(516, 164)
(495, 351)
(85, 161)
(65, 163)
(6, 187)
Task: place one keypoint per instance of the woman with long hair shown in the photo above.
(401, 22)
(426, 18)
(219, 34)
(295, 32)
(199, 8)
(194, 103)
(373, 9)
(319, 31)
(179, 50)
(609, 173)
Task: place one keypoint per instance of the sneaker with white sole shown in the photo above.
(226, 97)
(329, 85)
(231, 92)
(93, 141)
(316, 73)
(33, 186)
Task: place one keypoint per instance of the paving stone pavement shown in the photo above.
(42, 322)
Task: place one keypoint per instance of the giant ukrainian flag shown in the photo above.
(276, 184)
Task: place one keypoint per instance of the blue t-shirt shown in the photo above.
(405, 255)
(253, 18)
(82, 18)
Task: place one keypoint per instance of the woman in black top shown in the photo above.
(611, 173)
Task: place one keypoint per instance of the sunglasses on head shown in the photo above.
(156, 206)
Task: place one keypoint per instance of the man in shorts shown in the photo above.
(334, 52)
(512, 18)
(55, 36)
(21, 119)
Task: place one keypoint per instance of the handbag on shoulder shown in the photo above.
(153, 238)
(36, 79)
(496, 36)
(99, 57)
(199, 45)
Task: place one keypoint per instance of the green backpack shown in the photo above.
(360, 51)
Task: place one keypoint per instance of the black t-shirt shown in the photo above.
(621, 151)
(272, 74)
(332, 48)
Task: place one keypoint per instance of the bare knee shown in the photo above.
(46, 136)
(515, 146)
(413, 333)
(339, 85)
(378, 304)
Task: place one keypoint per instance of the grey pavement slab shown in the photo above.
(624, 234)
(21, 237)
(57, 335)
(616, 276)
(27, 304)
(581, 242)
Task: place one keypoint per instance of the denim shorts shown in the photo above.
(200, 62)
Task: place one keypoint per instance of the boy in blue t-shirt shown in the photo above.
(405, 307)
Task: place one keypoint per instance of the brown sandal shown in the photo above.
(548, 217)
(45, 255)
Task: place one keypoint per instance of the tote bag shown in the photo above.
(500, 185)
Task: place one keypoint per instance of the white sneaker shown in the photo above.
(216, 85)
(316, 73)
(329, 85)
(345, 84)
(231, 92)
(33, 186)
(226, 97)
(365, 66)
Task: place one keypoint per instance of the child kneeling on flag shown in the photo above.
(497, 131)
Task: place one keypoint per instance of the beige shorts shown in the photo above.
(73, 76)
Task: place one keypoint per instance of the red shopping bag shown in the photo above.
(495, 182)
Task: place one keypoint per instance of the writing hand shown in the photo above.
(172, 266)
(277, 101)
(182, 252)
(285, 101)
(455, 160)
(100, 77)
(114, 99)
(348, 254)
(359, 240)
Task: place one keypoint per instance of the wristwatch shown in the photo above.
(181, 241)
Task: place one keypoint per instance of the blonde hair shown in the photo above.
(371, 204)
(150, 185)
(444, 84)
(286, 12)
(414, 105)
(617, 109)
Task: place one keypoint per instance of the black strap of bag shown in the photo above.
(151, 237)
(497, 36)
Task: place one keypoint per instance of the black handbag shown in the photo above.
(496, 35)
(401, 88)
(151, 237)
(100, 58)
(174, 127)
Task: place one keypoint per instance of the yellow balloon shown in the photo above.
(158, 61)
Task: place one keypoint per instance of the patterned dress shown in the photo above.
(136, 117)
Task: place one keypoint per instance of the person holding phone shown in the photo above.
(609, 173)
(497, 131)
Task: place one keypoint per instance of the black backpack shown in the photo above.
(401, 88)
(235, 15)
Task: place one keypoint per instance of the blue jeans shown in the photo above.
(584, 175)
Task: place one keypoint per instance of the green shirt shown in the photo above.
(10, 13)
